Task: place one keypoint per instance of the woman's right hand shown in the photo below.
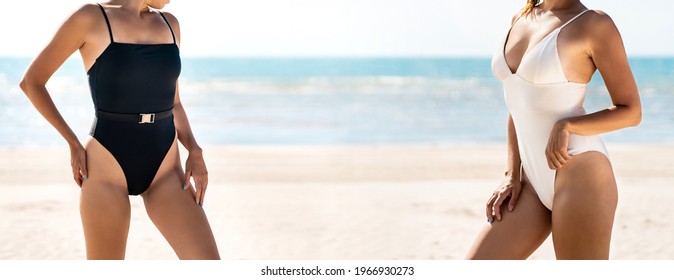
(78, 162)
(510, 187)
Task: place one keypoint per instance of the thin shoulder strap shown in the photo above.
(106, 21)
(515, 21)
(169, 26)
(574, 18)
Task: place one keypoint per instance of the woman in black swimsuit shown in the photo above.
(132, 58)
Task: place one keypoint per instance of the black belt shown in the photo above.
(140, 118)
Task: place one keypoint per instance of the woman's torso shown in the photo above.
(538, 94)
(134, 77)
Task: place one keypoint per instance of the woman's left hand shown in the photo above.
(195, 167)
(558, 145)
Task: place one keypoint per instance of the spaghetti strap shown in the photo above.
(515, 21)
(106, 21)
(169, 26)
(573, 18)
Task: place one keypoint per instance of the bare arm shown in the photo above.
(606, 49)
(183, 127)
(195, 166)
(511, 185)
(182, 124)
(514, 160)
(69, 38)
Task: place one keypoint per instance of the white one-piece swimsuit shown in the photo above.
(538, 95)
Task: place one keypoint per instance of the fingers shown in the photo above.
(77, 174)
(564, 153)
(557, 149)
(199, 192)
(497, 205)
(550, 164)
(201, 182)
(78, 163)
(553, 162)
(198, 189)
(204, 185)
(490, 203)
(186, 183)
(514, 195)
(194, 193)
(557, 159)
(83, 165)
(551, 158)
(200, 176)
(77, 177)
(561, 157)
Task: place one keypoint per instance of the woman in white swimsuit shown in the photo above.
(559, 178)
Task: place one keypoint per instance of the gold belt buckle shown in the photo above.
(146, 118)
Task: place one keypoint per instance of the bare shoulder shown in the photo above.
(601, 34)
(516, 16)
(175, 25)
(599, 24)
(173, 20)
(75, 27)
(87, 13)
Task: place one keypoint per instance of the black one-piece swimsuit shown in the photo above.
(133, 88)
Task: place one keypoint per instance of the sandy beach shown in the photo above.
(329, 202)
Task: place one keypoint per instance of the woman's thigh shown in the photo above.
(176, 214)
(104, 205)
(584, 207)
(518, 234)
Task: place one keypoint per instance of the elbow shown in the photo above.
(177, 105)
(636, 119)
(23, 85)
(630, 115)
(635, 116)
(27, 84)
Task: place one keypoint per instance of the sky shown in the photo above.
(340, 28)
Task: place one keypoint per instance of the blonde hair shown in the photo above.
(530, 6)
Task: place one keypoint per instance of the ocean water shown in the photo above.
(332, 101)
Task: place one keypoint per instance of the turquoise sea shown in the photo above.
(332, 101)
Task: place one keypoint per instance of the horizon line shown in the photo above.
(341, 56)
